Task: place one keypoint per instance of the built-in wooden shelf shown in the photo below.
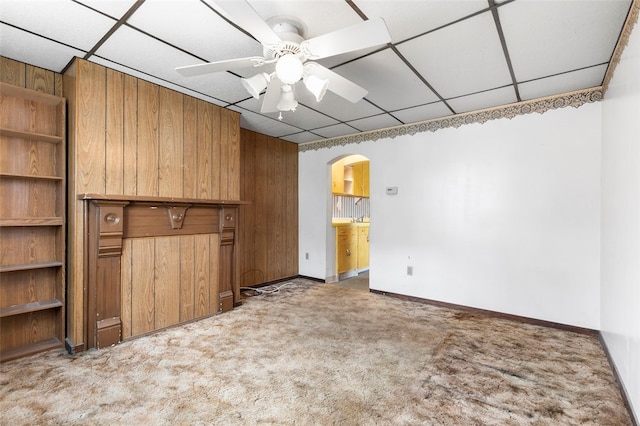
(32, 221)
(11, 133)
(35, 177)
(30, 266)
(31, 348)
(40, 305)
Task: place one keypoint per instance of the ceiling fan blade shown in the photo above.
(228, 65)
(272, 96)
(242, 14)
(338, 84)
(366, 34)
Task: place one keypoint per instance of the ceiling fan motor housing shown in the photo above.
(291, 38)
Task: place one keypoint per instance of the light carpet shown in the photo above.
(319, 354)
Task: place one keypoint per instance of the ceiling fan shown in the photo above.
(287, 57)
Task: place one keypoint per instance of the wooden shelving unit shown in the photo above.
(32, 221)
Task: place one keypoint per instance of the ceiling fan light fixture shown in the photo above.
(287, 99)
(316, 85)
(289, 69)
(256, 84)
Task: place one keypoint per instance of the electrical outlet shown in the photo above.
(410, 270)
(306, 256)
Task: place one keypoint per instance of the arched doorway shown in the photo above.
(350, 220)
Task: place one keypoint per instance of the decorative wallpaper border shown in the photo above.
(540, 106)
(631, 21)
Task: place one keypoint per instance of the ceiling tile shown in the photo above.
(550, 37)
(488, 99)
(152, 57)
(192, 26)
(336, 106)
(409, 18)
(462, 58)
(31, 49)
(391, 84)
(372, 123)
(302, 117)
(422, 112)
(262, 124)
(114, 8)
(53, 19)
(582, 79)
(312, 14)
(302, 137)
(335, 130)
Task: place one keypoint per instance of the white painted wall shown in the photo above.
(502, 216)
(620, 287)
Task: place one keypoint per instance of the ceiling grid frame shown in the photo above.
(30, 39)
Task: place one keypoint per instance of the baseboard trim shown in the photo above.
(494, 314)
(71, 348)
(318, 280)
(616, 375)
(277, 281)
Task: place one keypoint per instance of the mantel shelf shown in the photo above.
(160, 200)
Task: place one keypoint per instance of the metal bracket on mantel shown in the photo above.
(176, 215)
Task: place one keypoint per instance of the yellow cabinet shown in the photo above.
(352, 247)
(350, 179)
(360, 177)
(337, 177)
(356, 173)
(363, 247)
(346, 248)
(365, 179)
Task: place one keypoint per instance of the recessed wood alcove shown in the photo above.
(164, 280)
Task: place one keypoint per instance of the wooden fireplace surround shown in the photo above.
(109, 219)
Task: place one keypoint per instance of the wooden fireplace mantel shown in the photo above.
(110, 219)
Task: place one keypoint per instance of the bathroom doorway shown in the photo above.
(350, 221)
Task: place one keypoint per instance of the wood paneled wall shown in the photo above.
(137, 138)
(30, 77)
(268, 237)
(131, 137)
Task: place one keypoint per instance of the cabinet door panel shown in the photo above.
(363, 250)
(337, 177)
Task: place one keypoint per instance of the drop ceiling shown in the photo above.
(445, 57)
